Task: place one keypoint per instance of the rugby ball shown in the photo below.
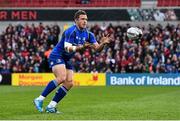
(134, 33)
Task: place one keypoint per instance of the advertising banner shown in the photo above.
(61, 14)
(143, 79)
(89, 79)
(5, 79)
(93, 14)
(41, 79)
(31, 79)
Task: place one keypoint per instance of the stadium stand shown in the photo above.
(26, 48)
(83, 3)
(168, 3)
(70, 3)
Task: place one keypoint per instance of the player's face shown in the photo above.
(82, 21)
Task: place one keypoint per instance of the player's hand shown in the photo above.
(106, 39)
(87, 44)
(83, 47)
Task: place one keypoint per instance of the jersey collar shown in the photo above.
(79, 29)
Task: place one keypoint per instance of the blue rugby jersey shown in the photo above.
(74, 36)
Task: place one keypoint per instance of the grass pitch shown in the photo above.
(95, 103)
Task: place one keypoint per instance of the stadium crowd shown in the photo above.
(26, 49)
(152, 15)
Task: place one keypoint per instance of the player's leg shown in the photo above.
(60, 74)
(68, 83)
(62, 91)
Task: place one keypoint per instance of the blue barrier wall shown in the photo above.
(143, 79)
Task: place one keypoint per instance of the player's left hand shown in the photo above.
(106, 39)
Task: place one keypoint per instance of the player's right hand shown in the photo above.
(87, 44)
(83, 47)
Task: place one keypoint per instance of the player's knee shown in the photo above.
(60, 80)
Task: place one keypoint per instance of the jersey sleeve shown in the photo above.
(92, 38)
(69, 37)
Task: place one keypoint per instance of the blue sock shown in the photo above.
(49, 88)
(61, 92)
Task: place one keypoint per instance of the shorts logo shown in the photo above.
(58, 60)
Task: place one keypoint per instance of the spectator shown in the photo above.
(85, 1)
(170, 15)
(159, 16)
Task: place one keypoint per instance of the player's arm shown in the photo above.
(69, 39)
(70, 48)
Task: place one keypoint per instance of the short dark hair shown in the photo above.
(78, 13)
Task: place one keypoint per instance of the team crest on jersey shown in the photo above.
(51, 63)
(84, 38)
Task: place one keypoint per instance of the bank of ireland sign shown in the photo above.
(143, 79)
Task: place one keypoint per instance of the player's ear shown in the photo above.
(75, 20)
